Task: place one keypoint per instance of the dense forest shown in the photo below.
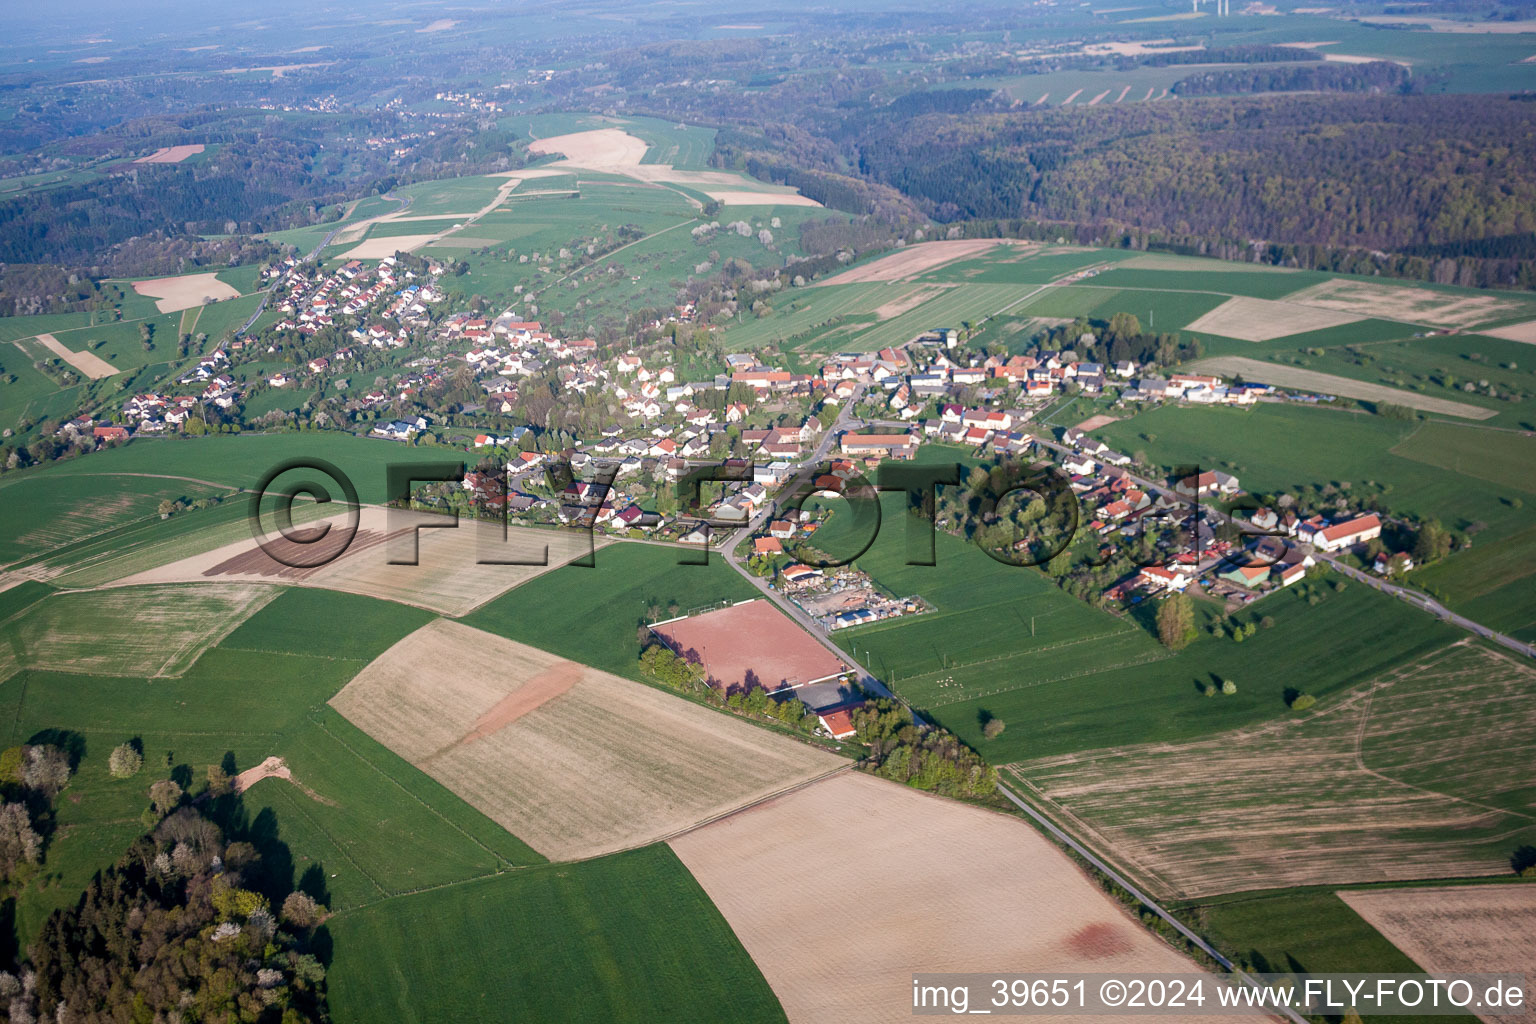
(1377, 171)
(175, 931)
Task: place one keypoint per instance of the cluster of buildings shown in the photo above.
(310, 304)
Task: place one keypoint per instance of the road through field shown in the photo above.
(1146, 901)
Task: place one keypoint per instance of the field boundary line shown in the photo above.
(1360, 745)
(1095, 670)
(731, 812)
(1146, 875)
(389, 895)
(294, 804)
(396, 782)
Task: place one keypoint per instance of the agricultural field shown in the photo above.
(1458, 930)
(173, 294)
(1469, 369)
(593, 615)
(1264, 320)
(620, 938)
(857, 966)
(602, 764)
(380, 843)
(139, 631)
(44, 511)
(912, 261)
(1416, 775)
(1302, 930)
(1454, 310)
(416, 558)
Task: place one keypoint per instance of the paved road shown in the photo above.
(1428, 604)
(867, 679)
(1146, 900)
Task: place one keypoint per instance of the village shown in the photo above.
(763, 423)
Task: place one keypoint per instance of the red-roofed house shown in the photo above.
(839, 724)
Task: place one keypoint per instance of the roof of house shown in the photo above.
(1339, 531)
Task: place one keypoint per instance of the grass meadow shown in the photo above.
(630, 937)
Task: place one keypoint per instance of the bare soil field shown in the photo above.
(752, 641)
(1416, 775)
(1332, 384)
(1525, 332)
(1095, 422)
(573, 761)
(1407, 304)
(178, 293)
(615, 151)
(170, 154)
(885, 881)
(1264, 319)
(913, 260)
(88, 363)
(1460, 929)
(137, 631)
(378, 248)
(449, 577)
(599, 148)
(744, 198)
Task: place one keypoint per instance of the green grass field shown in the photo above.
(1439, 367)
(631, 937)
(592, 615)
(47, 511)
(450, 197)
(376, 825)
